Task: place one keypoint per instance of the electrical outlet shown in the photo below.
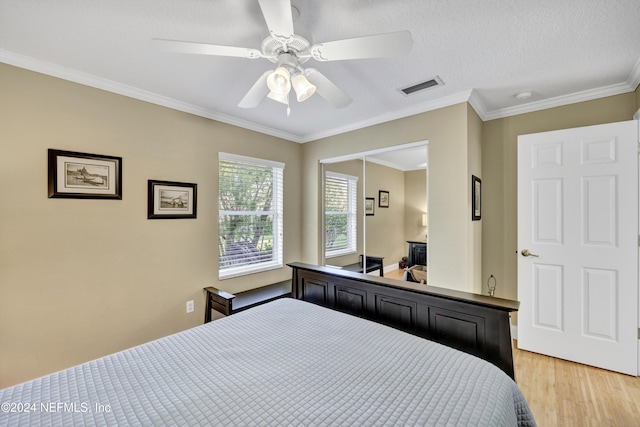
(190, 306)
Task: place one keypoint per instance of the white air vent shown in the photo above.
(436, 81)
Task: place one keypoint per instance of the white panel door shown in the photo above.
(578, 245)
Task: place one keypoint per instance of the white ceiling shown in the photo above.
(485, 52)
(404, 159)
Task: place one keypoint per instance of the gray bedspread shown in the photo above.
(285, 363)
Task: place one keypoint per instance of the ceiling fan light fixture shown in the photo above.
(282, 98)
(289, 49)
(279, 81)
(303, 88)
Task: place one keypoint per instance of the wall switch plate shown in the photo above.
(190, 306)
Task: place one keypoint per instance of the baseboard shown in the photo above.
(390, 268)
(386, 269)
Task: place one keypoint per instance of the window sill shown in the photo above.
(339, 253)
(247, 269)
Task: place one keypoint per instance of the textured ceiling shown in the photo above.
(484, 51)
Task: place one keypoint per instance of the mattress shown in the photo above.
(287, 362)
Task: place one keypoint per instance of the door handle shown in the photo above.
(525, 252)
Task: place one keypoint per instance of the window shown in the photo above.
(340, 214)
(249, 216)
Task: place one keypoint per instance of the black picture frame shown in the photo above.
(476, 198)
(369, 206)
(171, 200)
(75, 175)
(383, 199)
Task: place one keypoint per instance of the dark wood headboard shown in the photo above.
(476, 324)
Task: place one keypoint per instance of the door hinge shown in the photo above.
(639, 333)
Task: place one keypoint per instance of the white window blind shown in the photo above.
(340, 203)
(250, 215)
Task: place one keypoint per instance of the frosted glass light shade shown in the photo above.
(282, 98)
(278, 81)
(303, 88)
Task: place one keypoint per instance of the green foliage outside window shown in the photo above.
(245, 221)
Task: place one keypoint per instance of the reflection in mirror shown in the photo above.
(343, 213)
(397, 231)
(390, 211)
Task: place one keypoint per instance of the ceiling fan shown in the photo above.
(289, 51)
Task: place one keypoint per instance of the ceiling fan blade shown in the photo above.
(277, 14)
(376, 46)
(326, 89)
(257, 92)
(205, 49)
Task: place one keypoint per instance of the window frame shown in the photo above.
(277, 212)
(352, 214)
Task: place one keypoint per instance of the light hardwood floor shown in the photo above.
(394, 274)
(562, 393)
(567, 394)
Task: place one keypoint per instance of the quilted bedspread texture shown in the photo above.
(285, 363)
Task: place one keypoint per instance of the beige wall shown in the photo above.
(83, 278)
(474, 148)
(385, 229)
(415, 202)
(449, 183)
(499, 159)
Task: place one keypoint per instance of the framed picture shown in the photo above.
(369, 204)
(84, 176)
(476, 198)
(168, 200)
(383, 199)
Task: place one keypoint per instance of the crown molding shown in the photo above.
(469, 96)
(573, 98)
(587, 95)
(476, 104)
(634, 77)
(393, 115)
(90, 80)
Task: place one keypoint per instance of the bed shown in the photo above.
(287, 362)
(476, 324)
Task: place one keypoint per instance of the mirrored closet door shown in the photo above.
(375, 208)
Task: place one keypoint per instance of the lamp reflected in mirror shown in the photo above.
(423, 222)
